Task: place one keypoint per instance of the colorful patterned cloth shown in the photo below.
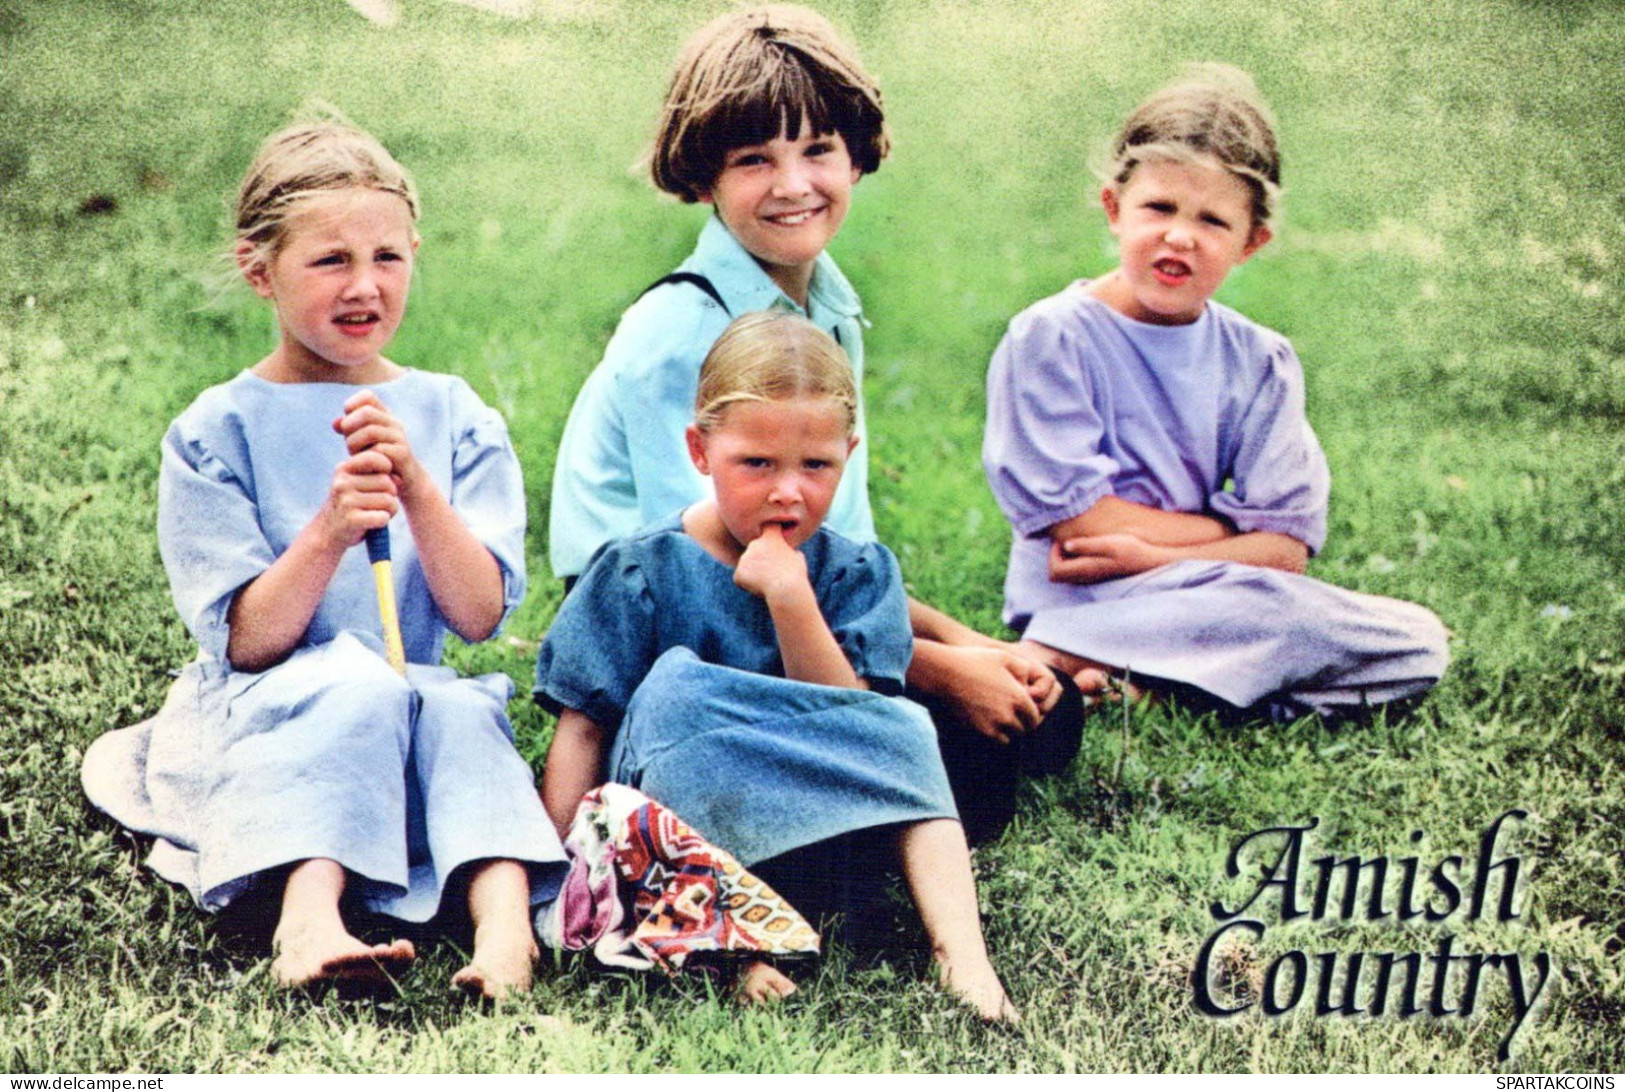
(645, 890)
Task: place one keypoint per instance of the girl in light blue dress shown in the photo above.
(290, 753)
(739, 661)
(1150, 448)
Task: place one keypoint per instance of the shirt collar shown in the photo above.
(745, 286)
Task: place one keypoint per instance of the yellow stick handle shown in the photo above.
(394, 651)
(384, 577)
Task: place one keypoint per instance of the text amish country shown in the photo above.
(1399, 890)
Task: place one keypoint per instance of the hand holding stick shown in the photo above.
(367, 425)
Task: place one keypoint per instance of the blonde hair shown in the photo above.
(744, 78)
(1212, 112)
(773, 356)
(321, 154)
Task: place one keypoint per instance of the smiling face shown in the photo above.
(339, 280)
(785, 200)
(774, 463)
(1181, 228)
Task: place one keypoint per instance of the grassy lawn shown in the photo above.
(1448, 267)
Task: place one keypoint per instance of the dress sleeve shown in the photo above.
(867, 611)
(601, 644)
(656, 356)
(1042, 449)
(1280, 479)
(209, 535)
(488, 492)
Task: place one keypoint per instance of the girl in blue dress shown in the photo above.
(289, 752)
(739, 661)
(1150, 449)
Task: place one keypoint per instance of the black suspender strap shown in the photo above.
(699, 281)
(703, 283)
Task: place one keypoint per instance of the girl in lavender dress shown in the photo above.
(1150, 449)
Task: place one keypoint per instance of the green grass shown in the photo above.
(1448, 267)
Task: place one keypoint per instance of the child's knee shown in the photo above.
(459, 712)
(1431, 649)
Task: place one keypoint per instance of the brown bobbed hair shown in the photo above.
(746, 77)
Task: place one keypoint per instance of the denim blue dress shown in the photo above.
(329, 753)
(1208, 418)
(681, 668)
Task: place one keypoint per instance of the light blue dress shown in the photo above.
(330, 753)
(622, 461)
(1208, 417)
(681, 668)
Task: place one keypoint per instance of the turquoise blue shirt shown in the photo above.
(623, 462)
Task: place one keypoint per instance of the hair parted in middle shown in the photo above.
(321, 153)
(746, 77)
(773, 356)
(1213, 111)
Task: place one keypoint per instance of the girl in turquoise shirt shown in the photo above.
(772, 120)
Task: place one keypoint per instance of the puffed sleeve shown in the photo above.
(657, 354)
(488, 490)
(601, 644)
(1042, 447)
(867, 610)
(209, 533)
(1280, 479)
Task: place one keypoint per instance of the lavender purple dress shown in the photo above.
(329, 753)
(1084, 403)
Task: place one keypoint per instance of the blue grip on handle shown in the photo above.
(378, 545)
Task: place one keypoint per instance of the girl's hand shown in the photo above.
(464, 577)
(1042, 686)
(363, 496)
(773, 570)
(1000, 692)
(1090, 559)
(770, 566)
(367, 425)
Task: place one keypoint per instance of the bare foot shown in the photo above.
(979, 987)
(762, 983)
(504, 943)
(1079, 667)
(1098, 682)
(310, 954)
(1093, 683)
(501, 963)
(1097, 687)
